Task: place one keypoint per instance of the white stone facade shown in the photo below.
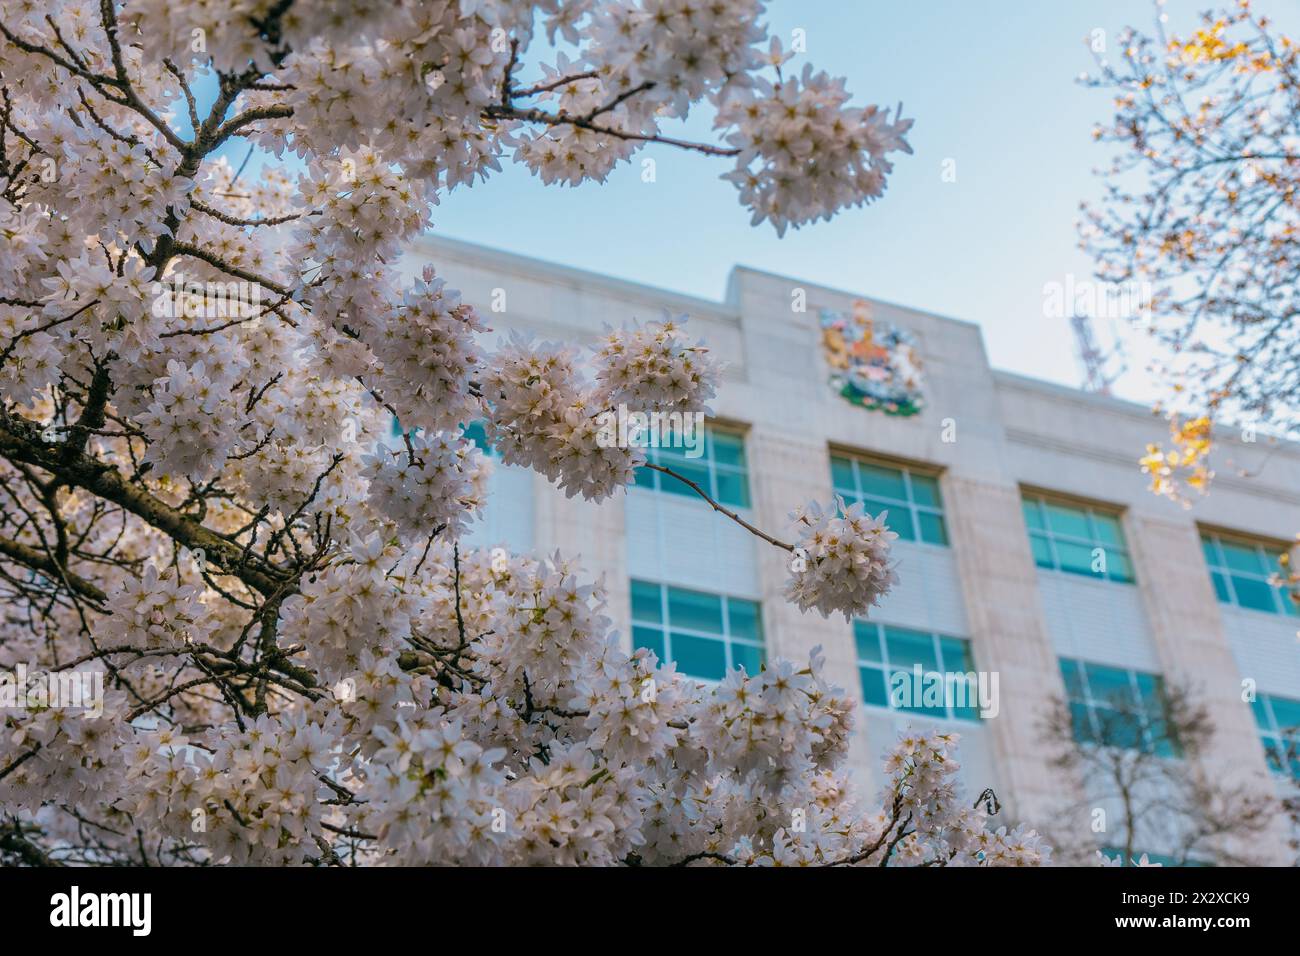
(1011, 434)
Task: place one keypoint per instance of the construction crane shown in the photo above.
(1096, 378)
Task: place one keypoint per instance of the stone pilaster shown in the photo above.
(795, 471)
(596, 535)
(1194, 653)
(1009, 636)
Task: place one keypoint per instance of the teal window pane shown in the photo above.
(1157, 858)
(1075, 558)
(1042, 549)
(1119, 728)
(645, 478)
(874, 692)
(728, 449)
(867, 639)
(1220, 587)
(695, 473)
(1062, 519)
(925, 490)
(1118, 566)
(1286, 713)
(1148, 685)
(1109, 684)
(956, 655)
(700, 657)
(883, 482)
(1081, 724)
(1241, 558)
(899, 519)
(733, 489)
(1033, 516)
(842, 476)
(1073, 682)
(932, 528)
(646, 605)
(1253, 593)
(744, 620)
(675, 457)
(1163, 742)
(1273, 752)
(906, 695)
(1151, 692)
(906, 648)
(1289, 605)
(747, 656)
(1208, 549)
(477, 433)
(694, 610)
(649, 638)
(1261, 713)
(1108, 530)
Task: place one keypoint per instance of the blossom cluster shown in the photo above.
(803, 155)
(542, 418)
(841, 560)
(158, 610)
(435, 486)
(252, 518)
(485, 749)
(351, 608)
(652, 369)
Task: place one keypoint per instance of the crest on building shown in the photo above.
(873, 363)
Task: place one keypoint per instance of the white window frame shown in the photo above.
(1220, 565)
(885, 667)
(665, 625)
(911, 505)
(1092, 544)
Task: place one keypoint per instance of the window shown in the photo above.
(1241, 570)
(885, 653)
(1077, 539)
(706, 634)
(912, 499)
(720, 469)
(1279, 729)
(509, 516)
(476, 431)
(1163, 859)
(1114, 707)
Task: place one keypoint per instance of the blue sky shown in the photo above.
(991, 85)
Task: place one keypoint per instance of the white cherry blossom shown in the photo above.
(236, 476)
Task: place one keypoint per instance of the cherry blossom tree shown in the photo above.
(1125, 758)
(1201, 206)
(199, 509)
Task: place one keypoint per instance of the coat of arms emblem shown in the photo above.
(873, 363)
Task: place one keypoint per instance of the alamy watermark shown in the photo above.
(75, 908)
(621, 428)
(953, 690)
(180, 297)
(1100, 300)
(77, 689)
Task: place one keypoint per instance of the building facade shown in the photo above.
(1029, 549)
